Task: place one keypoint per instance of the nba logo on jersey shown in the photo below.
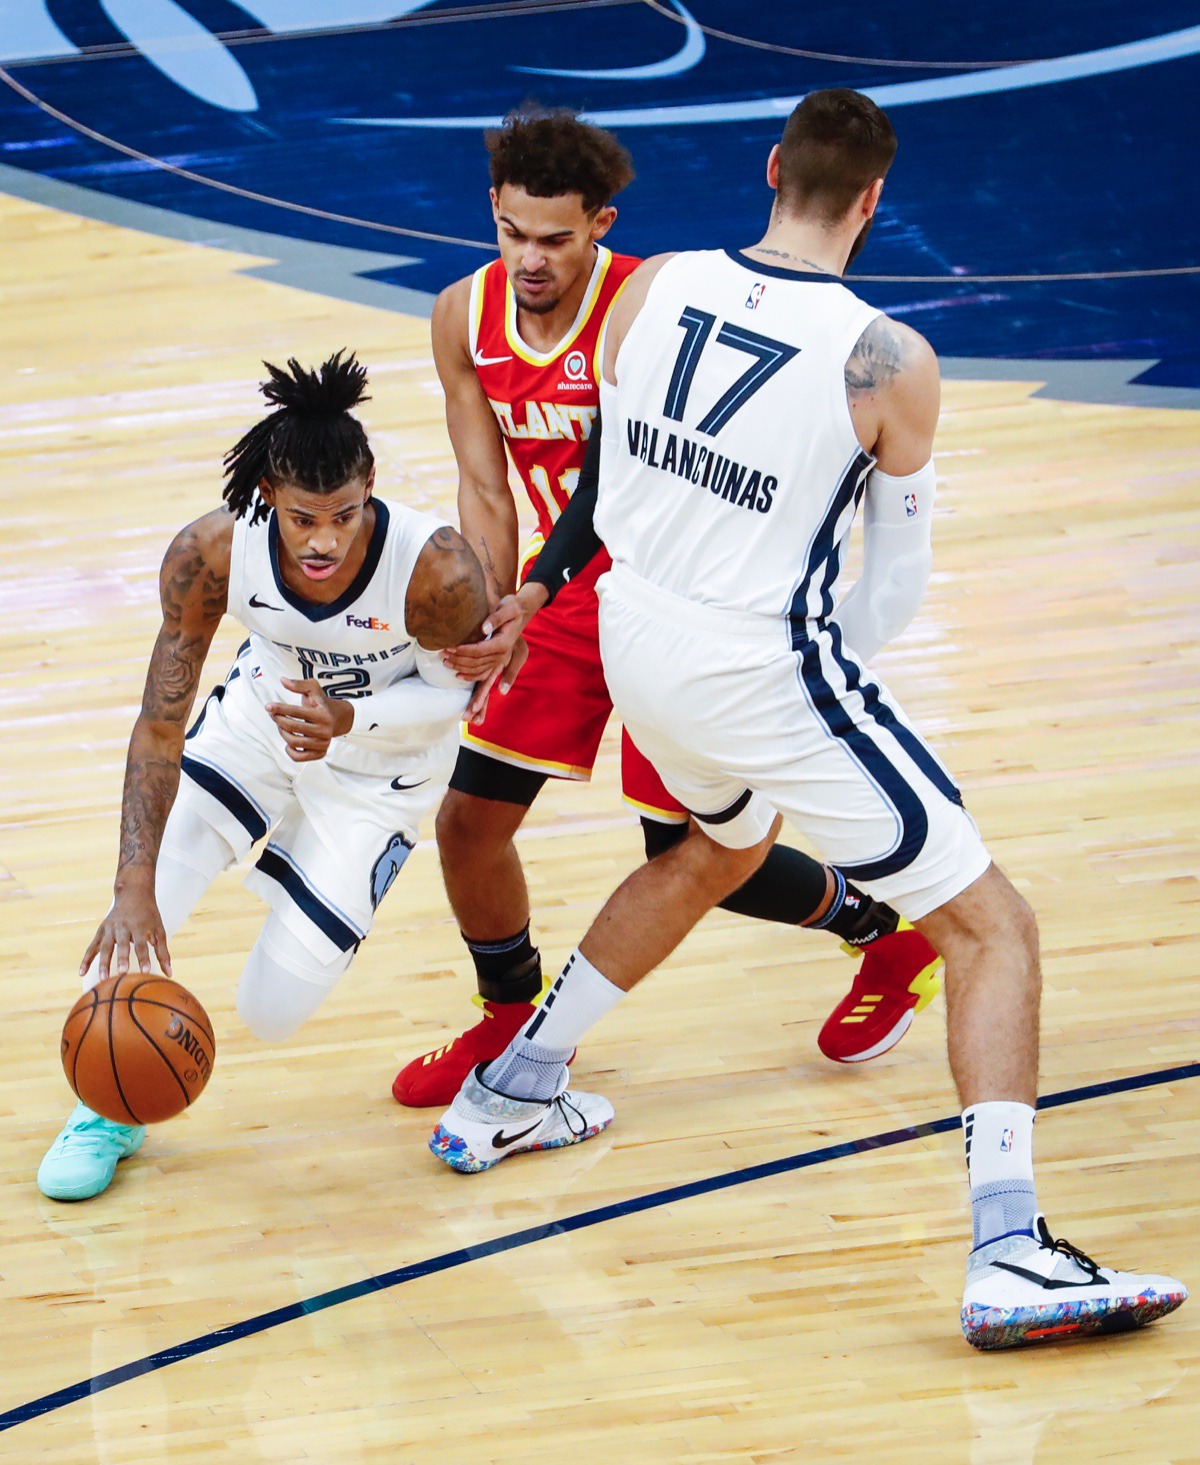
(756, 294)
(910, 505)
(1006, 1142)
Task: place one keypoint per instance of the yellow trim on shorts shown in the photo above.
(535, 765)
(664, 816)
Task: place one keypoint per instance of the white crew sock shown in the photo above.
(999, 1141)
(532, 1065)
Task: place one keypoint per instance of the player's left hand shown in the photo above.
(503, 676)
(309, 728)
(477, 661)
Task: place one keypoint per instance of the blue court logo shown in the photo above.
(387, 867)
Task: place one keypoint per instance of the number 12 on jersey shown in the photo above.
(769, 355)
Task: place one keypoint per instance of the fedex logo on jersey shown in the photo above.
(370, 623)
(546, 421)
(910, 505)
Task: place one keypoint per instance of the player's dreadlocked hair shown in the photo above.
(550, 151)
(309, 439)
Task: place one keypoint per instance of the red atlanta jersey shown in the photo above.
(544, 401)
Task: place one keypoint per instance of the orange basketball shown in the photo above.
(138, 1049)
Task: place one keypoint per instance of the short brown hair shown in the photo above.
(551, 152)
(836, 143)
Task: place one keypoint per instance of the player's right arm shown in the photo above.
(894, 393)
(487, 510)
(193, 587)
(509, 618)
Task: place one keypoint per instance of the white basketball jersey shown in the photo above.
(354, 646)
(730, 470)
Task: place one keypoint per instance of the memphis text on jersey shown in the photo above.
(672, 452)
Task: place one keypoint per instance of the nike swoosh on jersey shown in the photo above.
(501, 1141)
(257, 604)
(1049, 1283)
(481, 360)
(400, 787)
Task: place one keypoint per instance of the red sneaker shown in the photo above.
(433, 1080)
(900, 976)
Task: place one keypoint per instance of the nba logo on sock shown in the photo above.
(910, 505)
(1006, 1141)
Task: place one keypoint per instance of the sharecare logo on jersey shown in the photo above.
(755, 295)
(576, 366)
(369, 624)
(910, 505)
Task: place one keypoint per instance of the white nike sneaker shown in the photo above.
(483, 1127)
(1033, 1289)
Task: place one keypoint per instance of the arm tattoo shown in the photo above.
(150, 787)
(876, 359)
(188, 585)
(447, 598)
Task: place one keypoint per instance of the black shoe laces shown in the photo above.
(567, 1109)
(1073, 1253)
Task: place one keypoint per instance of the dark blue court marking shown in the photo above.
(264, 1321)
(1063, 180)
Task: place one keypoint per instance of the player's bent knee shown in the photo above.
(451, 826)
(720, 869)
(282, 985)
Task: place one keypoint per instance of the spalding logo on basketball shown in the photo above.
(138, 1049)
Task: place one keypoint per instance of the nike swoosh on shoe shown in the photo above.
(1051, 1284)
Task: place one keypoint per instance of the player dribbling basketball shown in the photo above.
(334, 731)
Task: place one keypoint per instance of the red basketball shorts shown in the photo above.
(554, 717)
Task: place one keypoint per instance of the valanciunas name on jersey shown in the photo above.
(672, 452)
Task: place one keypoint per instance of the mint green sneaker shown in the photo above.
(83, 1159)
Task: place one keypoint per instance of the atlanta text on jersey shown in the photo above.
(545, 420)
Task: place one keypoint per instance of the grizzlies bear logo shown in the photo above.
(387, 867)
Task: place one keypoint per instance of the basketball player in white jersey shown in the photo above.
(750, 401)
(334, 732)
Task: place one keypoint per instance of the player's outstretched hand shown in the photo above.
(134, 922)
(309, 728)
(478, 660)
(502, 677)
(496, 660)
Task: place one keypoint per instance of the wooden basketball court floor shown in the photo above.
(285, 1274)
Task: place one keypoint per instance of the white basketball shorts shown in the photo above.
(741, 723)
(336, 839)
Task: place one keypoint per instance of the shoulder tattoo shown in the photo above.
(447, 597)
(876, 360)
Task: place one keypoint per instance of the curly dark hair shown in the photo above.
(549, 151)
(309, 439)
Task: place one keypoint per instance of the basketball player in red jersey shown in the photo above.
(517, 351)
